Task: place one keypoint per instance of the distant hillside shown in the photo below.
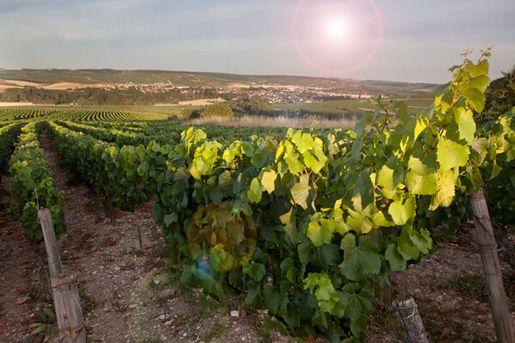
(197, 79)
(440, 89)
(500, 95)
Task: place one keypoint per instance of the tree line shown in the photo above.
(99, 96)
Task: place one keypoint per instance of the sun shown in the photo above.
(336, 28)
(336, 37)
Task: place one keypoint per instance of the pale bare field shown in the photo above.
(198, 102)
(72, 85)
(18, 83)
(250, 85)
(239, 85)
(260, 121)
(17, 104)
(5, 84)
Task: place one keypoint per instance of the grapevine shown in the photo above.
(335, 212)
(33, 184)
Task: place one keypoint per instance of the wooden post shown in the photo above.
(492, 269)
(68, 310)
(410, 321)
(108, 208)
(64, 288)
(52, 250)
(140, 239)
(386, 297)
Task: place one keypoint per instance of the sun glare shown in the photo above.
(336, 29)
(336, 36)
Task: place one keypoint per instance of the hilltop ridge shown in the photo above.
(207, 79)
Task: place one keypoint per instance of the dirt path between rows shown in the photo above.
(450, 292)
(19, 274)
(105, 255)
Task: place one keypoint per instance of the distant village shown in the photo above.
(272, 94)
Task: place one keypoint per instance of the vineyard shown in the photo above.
(308, 225)
(14, 113)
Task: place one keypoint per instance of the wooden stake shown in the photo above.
(68, 310)
(386, 296)
(109, 210)
(410, 321)
(52, 250)
(492, 269)
(64, 288)
(140, 240)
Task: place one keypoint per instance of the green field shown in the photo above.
(349, 106)
(93, 113)
(334, 108)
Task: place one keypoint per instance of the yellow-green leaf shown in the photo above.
(385, 180)
(255, 191)
(451, 154)
(290, 226)
(445, 184)
(319, 234)
(300, 192)
(421, 184)
(466, 125)
(402, 211)
(420, 126)
(417, 166)
(268, 180)
(481, 68)
(380, 220)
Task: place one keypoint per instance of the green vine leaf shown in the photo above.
(359, 260)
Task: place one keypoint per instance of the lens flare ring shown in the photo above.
(332, 71)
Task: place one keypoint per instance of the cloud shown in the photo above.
(421, 40)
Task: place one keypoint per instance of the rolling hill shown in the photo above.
(197, 79)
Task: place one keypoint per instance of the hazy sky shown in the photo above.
(420, 39)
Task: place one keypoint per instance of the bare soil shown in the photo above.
(54, 86)
(197, 102)
(128, 296)
(21, 293)
(15, 104)
(450, 292)
(20, 83)
(75, 85)
(163, 311)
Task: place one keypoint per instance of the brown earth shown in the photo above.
(450, 291)
(16, 104)
(75, 85)
(19, 83)
(197, 102)
(21, 293)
